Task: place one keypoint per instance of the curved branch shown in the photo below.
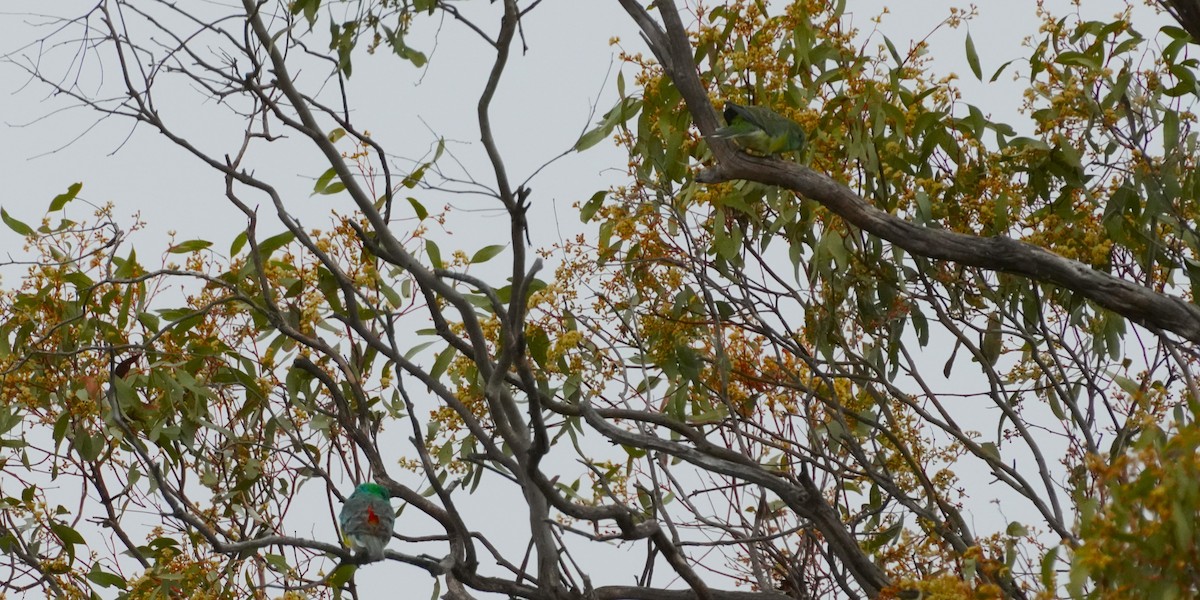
(999, 253)
(805, 498)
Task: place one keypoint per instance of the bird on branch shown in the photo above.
(761, 129)
(367, 519)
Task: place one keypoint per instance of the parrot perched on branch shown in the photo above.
(367, 519)
(761, 129)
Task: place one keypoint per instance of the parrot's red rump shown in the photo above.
(372, 518)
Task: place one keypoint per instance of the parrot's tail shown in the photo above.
(374, 547)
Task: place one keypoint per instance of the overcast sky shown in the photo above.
(543, 105)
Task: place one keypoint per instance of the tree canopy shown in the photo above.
(931, 354)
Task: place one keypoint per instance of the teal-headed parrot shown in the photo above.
(367, 519)
(761, 129)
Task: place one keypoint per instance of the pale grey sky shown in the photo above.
(543, 105)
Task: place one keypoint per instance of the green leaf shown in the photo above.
(411, 180)
(435, 254)
(88, 445)
(148, 320)
(993, 342)
(1049, 561)
(1016, 529)
(1000, 70)
(342, 38)
(973, 58)
(833, 245)
(1175, 32)
(539, 345)
(441, 363)
(59, 431)
(920, 326)
(273, 243)
(80, 280)
(324, 180)
(69, 537)
(688, 361)
(625, 109)
(9, 419)
(189, 246)
(1126, 384)
(1187, 81)
(66, 534)
(277, 562)
(415, 350)
(308, 6)
(105, 579)
(395, 39)
(15, 225)
(62, 199)
(341, 575)
(591, 206)
(418, 208)
(326, 185)
(393, 298)
(487, 253)
(1078, 59)
(239, 242)
(1056, 407)
(892, 50)
(884, 537)
(416, 57)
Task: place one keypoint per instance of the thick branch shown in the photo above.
(999, 253)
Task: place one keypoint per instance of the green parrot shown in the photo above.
(367, 519)
(761, 129)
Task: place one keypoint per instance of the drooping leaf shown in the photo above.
(973, 58)
(434, 253)
(14, 224)
(418, 208)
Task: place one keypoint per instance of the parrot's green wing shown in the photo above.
(761, 129)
